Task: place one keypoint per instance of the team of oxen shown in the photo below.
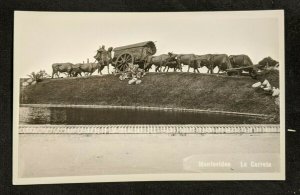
(210, 61)
(163, 62)
(102, 58)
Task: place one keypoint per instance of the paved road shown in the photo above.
(47, 155)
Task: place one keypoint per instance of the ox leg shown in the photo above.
(146, 66)
(188, 68)
(108, 68)
(53, 73)
(165, 69)
(68, 74)
(211, 70)
(157, 68)
(207, 69)
(149, 67)
(100, 69)
(218, 70)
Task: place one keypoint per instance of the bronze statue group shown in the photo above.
(103, 58)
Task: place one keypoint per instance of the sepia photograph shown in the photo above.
(148, 96)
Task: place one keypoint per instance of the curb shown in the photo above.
(142, 108)
(148, 129)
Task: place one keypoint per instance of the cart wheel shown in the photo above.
(253, 73)
(122, 62)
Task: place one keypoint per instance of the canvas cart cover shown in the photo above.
(149, 44)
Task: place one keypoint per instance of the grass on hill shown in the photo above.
(180, 90)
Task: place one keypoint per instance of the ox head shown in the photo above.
(110, 49)
(268, 62)
(231, 59)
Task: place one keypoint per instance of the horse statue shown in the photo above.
(104, 58)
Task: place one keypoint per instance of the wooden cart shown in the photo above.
(134, 54)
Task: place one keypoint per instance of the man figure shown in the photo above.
(101, 48)
(99, 51)
(136, 74)
(98, 56)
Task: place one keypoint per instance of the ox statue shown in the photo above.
(165, 60)
(61, 68)
(88, 68)
(186, 59)
(268, 62)
(201, 61)
(104, 58)
(76, 70)
(221, 61)
(158, 61)
(172, 62)
(238, 61)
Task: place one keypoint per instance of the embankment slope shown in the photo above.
(180, 90)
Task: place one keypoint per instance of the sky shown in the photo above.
(44, 38)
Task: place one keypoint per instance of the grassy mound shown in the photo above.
(271, 75)
(181, 90)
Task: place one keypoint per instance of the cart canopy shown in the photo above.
(149, 44)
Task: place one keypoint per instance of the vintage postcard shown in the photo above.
(109, 97)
